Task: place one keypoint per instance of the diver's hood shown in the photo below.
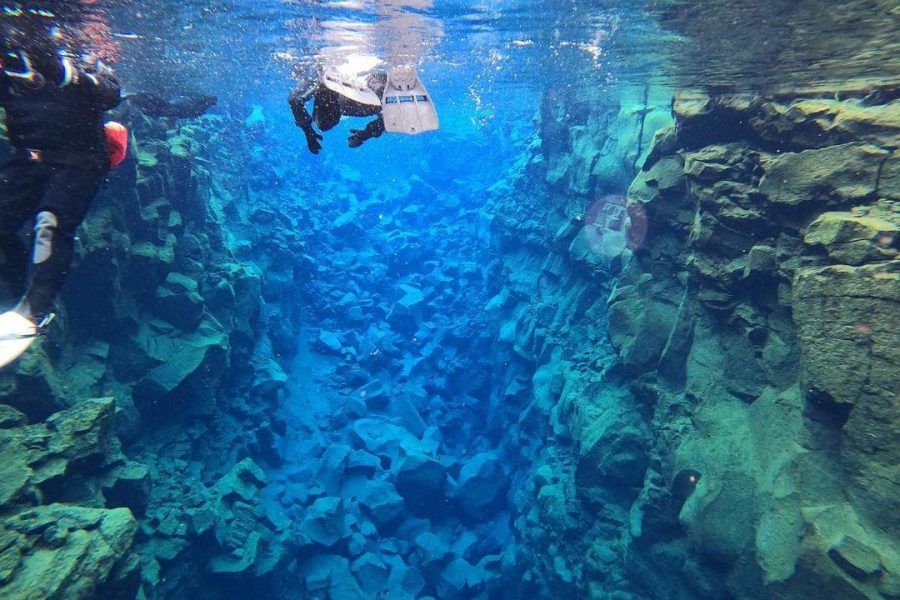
(354, 91)
(403, 78)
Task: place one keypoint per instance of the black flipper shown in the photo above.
(181, 107)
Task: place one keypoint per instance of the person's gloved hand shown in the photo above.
(312, 140)
(357, 137)
(20, 72)
(50, 64)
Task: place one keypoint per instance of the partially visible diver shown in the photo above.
(55, 103)
(397, 100)
(333, 98)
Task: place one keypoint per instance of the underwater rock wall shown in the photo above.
(735, 434)
(586, 441)
(145, 488)
(758, 327)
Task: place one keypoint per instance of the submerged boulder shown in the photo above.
(61, 551)
(854, 239)
(323, 522)
(371, 573)
(189, 365)
(329, 576)
(480, 485)
(421, 480)
(382, 503)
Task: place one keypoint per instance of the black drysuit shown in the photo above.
(329, 106)
(61, 157)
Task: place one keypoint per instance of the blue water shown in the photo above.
(380, 427)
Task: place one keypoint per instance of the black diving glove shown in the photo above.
(56, 67)
(19, 71)
(358, 136)
(312, 140)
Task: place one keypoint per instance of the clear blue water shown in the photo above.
(406, 214)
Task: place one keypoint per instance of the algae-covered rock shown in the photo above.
(64, 552)
(10, 417)
(849, 330)
(642, 315)
(42, 455)
(704, 120)
(660, 191)
(834, 547)
(854, 240)
(244, 481)
(611, 438)
(821, 122)
(82, 431)
(889, 180)
(598, 248)
(833, 176)
(127, 485)
(189, 364)
(179, 302)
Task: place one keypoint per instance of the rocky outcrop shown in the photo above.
(761, 305)
(56, 538)
(159, 314)
(729, 398)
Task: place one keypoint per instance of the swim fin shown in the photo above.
(406, 105)
(16, 335)
(354, 91)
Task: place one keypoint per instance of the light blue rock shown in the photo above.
(458, 578)
(381, 438)
(331, 468)
(363, 463)
(244, 481)
(371, 572)
(357, 544)
(403, 409)
(323, 522)
(431, 549)
(328, 575)
(481, 482)
(382, 503)
(405, 581)
(329, 342)
(411, 297)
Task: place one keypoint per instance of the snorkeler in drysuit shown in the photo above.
(187, 106)
(55, 105)
(333, 98)
(397, 98)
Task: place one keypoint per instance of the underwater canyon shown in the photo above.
(653, 352)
